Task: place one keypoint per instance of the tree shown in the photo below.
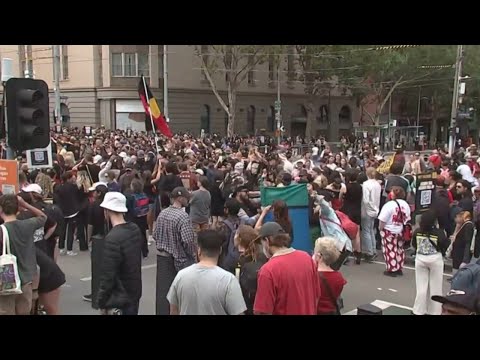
(373, 73)
(233, 63)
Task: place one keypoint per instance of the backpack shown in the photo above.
(468, 278)
(230, 254)
(140, 205)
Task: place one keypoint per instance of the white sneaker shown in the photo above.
(63, 251)
(150, 240)
(71, 253)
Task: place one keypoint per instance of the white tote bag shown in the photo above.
(9, 277)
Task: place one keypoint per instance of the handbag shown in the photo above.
(9, 277)
(337, 301)
(407, 227)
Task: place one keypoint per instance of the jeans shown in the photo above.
(368, 235)
(429, 281)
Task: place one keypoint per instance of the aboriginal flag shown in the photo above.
(151, 107)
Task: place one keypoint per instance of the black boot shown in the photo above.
(358, 257)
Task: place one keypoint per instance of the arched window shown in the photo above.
(271, 119)
(251, 120)
(205, 119)
(345, 115)
(323, 114)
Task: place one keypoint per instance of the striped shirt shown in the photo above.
(174, 235)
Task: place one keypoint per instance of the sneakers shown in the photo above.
(87, 297)
(63, 251)
(71, 253)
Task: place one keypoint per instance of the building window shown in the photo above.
(205, 119)
(290, 64)
(130, 65)
(271, 68)
(251, 119)
(251, 73)
(345, 115)
(64, 61)
(271, 119)
(323, 114)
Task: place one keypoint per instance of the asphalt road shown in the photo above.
(366, 284)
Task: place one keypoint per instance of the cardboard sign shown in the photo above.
(40, 158)
(424, 191)
(9, 177)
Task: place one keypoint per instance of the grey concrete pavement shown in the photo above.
(366, 283)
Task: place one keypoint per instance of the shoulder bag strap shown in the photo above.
(6, 241)
(89, 175)
(330, 292)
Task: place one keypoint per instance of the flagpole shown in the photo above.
(165, 83)
(150, 112)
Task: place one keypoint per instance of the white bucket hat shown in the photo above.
(115, 201)
(35, 188)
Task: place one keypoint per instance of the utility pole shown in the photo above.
(165, 83)
(453, 117)
(56, 88)
(418, 110)
(391, 141)
(278, 105)
(29, 62)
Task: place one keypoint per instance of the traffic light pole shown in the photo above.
(9, 152)
(278, 106)
(56, 76)
(453, 117)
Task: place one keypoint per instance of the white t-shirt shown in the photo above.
(315, 151)
(391, 217)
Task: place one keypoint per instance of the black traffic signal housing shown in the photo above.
(27, 117)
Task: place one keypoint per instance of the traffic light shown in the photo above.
(28, 124)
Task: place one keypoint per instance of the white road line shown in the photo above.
(393, 290)
(379, 289)
(407, 267)
(151, 266)
(382, 305)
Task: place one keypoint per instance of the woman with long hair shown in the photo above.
(251, 260)
(393, 217)
(331, 281)
(430, 244)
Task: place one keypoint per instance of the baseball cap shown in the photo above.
(270, 229)
(115, 201)
(33, 188)
(97, 159)
(461, 299)
(97, 184)
(180, 191)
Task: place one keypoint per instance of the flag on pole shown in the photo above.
(152, 110)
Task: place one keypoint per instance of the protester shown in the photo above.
(200, 203)
(430, 244)
(462, 240)
(288, 283)
(176, 246)
(120, 286)
(204, 288)
(371, 196)
(458, 303)
(331, 281)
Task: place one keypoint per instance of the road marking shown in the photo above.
(151, 266)
(382, 305)
(380, 289)
(407, 267)
(393, 290)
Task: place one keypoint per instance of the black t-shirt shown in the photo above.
(96, 218)
(93, 170)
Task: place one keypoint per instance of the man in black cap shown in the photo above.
(459, 303)
(176, 245)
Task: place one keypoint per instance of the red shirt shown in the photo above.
(336, 281)
(436, 160)
(288, 284)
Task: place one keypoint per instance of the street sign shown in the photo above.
(9, 176)
(278, 105)
(40, 158)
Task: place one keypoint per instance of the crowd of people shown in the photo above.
(198, 201)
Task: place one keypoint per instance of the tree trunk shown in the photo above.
(309, 128)
(232, 106)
